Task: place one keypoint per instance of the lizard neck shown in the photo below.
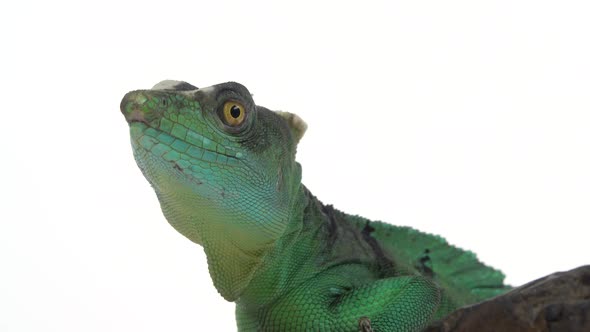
(318, 239)
(233, 266)
(294, 258)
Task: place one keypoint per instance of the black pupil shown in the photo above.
(235, 111)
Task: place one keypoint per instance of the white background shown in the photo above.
(468, 119)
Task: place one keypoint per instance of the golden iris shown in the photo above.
(234, 113)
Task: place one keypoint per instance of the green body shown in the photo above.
(225, 174)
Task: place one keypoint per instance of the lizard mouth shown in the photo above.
(185, 156)
(150, 144)
(136, 116)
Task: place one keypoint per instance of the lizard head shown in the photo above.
(222, 167)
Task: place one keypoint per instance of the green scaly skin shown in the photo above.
(289, 262)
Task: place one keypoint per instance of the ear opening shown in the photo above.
(296, 124)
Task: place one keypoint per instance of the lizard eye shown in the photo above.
(234, 113)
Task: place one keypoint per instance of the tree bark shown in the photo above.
(557, 302)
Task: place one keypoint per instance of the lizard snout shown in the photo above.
(134, 108)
